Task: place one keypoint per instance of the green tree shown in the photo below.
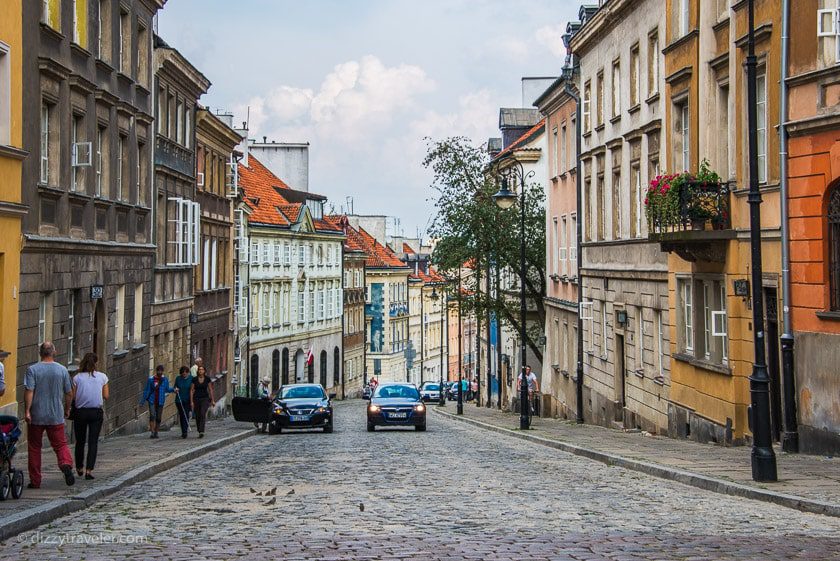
(472, 230)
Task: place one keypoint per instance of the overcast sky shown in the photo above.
(365, 81)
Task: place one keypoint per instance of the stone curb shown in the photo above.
(31, 518)
(686, 477)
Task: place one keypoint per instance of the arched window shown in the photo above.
(254, 376)
(285, 368)
(336, 367)
(323, 363)
(275, 369)
(834, 247)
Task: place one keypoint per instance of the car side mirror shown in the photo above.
(332, 395)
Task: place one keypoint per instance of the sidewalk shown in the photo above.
(809, 483)
(121, 461)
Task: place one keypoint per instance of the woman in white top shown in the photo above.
(90, 390)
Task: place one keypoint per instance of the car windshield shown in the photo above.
(431, 387)
(302, 392)
(390, 392)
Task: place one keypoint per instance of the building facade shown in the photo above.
(624, 276)
(294, 286)
(177, 232)
(813, 122)
(559, 375)
(705, 118)
(11, 209)
(216, 190)
(87, 258)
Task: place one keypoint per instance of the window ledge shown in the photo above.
(704, 364)
(119, 353)
(137, 348)
(54, 32)
(75, 47)
(615, 119)
(587, 134)
(659, 380)
(104, 65)
(653, 98)
(121, 77)
(600, 127)
(829, 315)
(49, 190)
(634, 109)
(639, 373)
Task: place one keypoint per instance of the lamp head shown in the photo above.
(505, 198)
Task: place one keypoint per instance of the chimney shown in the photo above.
(244, 145)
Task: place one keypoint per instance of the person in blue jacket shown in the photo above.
(157, 387)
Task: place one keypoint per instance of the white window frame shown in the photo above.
(205, 269)
(187, 232)
(278, 252)
(587, 107)
(255, 253)
(99, 134)
(46, 113)
(687, 313)
(653, 46)
(761, 123)
(119, 318)
(562, 252)
(301, 307)
(685, 134)
(684, 17)
(638, 198)
(71, 328)
(834, 32)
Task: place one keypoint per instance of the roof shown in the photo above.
(378, 255)
(407, 249)
(518, 117)
(430, 277)
(520, 142)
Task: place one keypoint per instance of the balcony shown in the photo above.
(690, 215)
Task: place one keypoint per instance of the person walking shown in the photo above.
(3, 355)
(533, 386)
(157, 387)
(201, 399)
(183, 384)
(474, 389)
(47, 395)
(199, 362)
(90, 390)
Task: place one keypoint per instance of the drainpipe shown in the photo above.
(790, 436)
(578, 187)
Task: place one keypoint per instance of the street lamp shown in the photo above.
(505, 199)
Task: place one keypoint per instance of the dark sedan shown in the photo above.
(297, 406)
(395, 404)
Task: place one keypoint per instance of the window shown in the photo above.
(637, 211)
(184, 232)
(5, 95)
(683, 136)
(255, 253)
(635, 94)
(587, 107)
(80, 22)
(278, 252)
(617, 217)
(142, 195)
(563, 249)
(103, 31)
(683, 17)
(686, 296)
(205, 269)
(301, 307)
(287, 253)
(660, 347)
(162, 114)
(640, 340)
(119, 318)
(603, 329)
(573, 246)
(49, 144)
(301, 250)
(266, 307)
(761, 123)
(143, 55)
(703, 318)
(71, 327)
(137, 336)
(616, 89)
(188, 127)
(601, 208)
(125, 43)
(555, 153)
(51, 13)
(122, 163)
(828, 32)
(834, 247)
(563, 140)
(179, 122)
(723, 130)
(214, 264)
(599, 99)
(653, 64)
(76, 128)
(45, 311)
(555, 242)
(266, 253)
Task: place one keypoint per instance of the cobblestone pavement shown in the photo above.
(454, 492)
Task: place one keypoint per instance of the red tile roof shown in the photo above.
(353, 240)
(407, 249)
(378, 255)
(516, 144)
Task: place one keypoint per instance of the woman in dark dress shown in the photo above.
(201, 399)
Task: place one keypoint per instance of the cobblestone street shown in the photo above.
(454, 492)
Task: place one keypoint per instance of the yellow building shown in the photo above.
(710, 296)
(11, 208)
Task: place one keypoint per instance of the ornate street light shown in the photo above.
(505, 199)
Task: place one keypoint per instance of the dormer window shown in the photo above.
(316, 208)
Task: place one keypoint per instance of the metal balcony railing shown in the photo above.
(699, 205)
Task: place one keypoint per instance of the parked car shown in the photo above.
(396, 404)
(366, 392)
(452, 391)
(296, 406)
(430, 391)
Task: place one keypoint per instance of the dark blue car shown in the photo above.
(396, 404)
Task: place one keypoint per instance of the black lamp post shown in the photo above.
(459, 410)
(505, 199)
(763, 456)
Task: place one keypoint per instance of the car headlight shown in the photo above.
(419, 407)
(322, 409)
(374, 408)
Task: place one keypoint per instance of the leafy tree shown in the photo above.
(472, 230)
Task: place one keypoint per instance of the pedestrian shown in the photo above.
(157, 387)
(474, 388)
(533, 386)
(264, 392)
(201, 399)
(3, 355)
(199, 362)
(465, 388)
(90, 390)
(183, 383)
(47, 395)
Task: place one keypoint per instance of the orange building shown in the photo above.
(814, 216)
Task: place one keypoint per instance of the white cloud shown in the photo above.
(551, 37)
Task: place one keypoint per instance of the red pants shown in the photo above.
(55, 434)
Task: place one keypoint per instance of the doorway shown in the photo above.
(99, 328)
(771, 320)
(299, 366)
(620, 373)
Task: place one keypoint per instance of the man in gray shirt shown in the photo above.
(47, 396)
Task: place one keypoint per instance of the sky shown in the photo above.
(367, 82)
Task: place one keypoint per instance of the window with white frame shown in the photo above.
(125, 42)
(310, 312)
(5, 95)
(266, 253)
(255, 253)
(122, 161)
(555, 242)
(266, 305)
(572, 240)
(71, 328)
(137, 325)
(185, 219)
(684, 16)
(278, 253)
(703, 318)
(119, 318)
(761, 123)
(45, 311)
(48, 144)
(599, 99)
(205, 269)
(638, 200)
(653, 63)
(683, 134)
(301, 252)
(828, 31)
(301, 307)
(562, 250)
(587, 107)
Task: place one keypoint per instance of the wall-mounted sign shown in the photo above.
(742, 287)
(193, 318)
(97, 292)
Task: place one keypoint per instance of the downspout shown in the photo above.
(343, 316)
(790, 435)
(578, 187)
(489, 376)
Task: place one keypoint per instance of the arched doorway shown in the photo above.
(300, 363)
(284, 369)
(336, 366)
(323, 364)
(254, 377)
(310, 372)
(275, 369)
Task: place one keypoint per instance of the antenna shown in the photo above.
(349, 201)
(248, 119)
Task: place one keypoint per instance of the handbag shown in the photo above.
(72, 415)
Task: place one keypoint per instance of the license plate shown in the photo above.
(398, 415)
(299, 418)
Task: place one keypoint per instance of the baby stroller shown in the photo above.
(11, 480)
